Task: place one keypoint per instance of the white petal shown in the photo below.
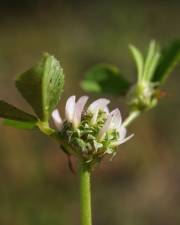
(95, 115)
(117, 119)
(123, 140)
(101, 103)
(122, 132)
(106, 110)
(70, 107)
(106, 127)
(78, 110)
(57, 119)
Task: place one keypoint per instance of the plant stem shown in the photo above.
(85, 195)
(132, 116)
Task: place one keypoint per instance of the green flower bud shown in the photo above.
(142, 96)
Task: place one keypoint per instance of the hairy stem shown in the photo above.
(85, 195)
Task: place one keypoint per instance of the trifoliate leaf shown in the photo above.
(170, 57)
(20, 124)
(139, 60)
(105, 79)
(42, 85)
(151, 61)
(8, 111)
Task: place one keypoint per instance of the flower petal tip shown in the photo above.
(57, 119)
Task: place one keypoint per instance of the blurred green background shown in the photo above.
(142, 184)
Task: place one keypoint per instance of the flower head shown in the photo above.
(93, 132)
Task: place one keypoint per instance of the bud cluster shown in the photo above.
(142, 96)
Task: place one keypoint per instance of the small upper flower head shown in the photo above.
(142, 95)
(92, 132)
(152, 71)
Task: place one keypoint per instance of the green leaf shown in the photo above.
(139, 60)
(151, 61)
(42, 85)
(20, 125)
(8, 111)
(170, 57)
(153, 66)
(105, 79)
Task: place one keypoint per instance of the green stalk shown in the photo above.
(132, 116)
(85, 194)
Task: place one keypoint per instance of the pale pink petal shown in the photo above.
(78, 110)
(106, 127)
(70, 108)
(122, 132)
(123, 140)
(117, 119)
(100, 103)
(96, 112)
(106, 110)
(57, 119)
(95, 115)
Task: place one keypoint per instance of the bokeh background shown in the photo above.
(142, 184)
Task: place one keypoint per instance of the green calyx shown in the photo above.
(84, 141)
(142, 96)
